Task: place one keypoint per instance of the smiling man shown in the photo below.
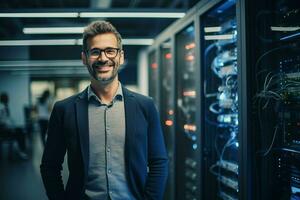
(112, 136)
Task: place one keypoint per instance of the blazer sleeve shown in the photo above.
(53, 157)
(157, 157)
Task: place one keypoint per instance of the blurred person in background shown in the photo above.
(8, 129)
(112, 135)
(44, 107)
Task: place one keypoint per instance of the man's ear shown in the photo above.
(84, 58)
(121, 57)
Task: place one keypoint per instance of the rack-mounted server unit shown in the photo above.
(220, 117)
(167, 110)
(153, 82)
(187, 135)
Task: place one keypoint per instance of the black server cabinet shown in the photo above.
(236, 105)
(153, 70)
(274, 73)
(220, 114)
(200, 134)
(187, 135)
(167, 110)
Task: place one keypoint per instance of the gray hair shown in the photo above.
(99, 27)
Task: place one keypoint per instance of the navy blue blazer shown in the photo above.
(68, 132)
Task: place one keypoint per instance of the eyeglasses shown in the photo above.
(109, 52)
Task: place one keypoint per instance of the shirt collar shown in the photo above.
(119, 93)
(118, 96)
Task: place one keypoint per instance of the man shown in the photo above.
(112, 136)
(8, 130)
(44, 107)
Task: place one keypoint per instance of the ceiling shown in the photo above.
(12, 28)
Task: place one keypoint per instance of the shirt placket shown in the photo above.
(108, 149)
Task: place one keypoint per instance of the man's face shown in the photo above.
(103, 68)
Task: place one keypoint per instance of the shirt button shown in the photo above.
(109, 171)
(108, 149)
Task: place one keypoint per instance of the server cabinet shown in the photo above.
(274, 45)
(187, 135)
(236, 94)
(219, 68)
(167, 110)
(153, 70)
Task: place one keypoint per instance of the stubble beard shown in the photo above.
(103, 80)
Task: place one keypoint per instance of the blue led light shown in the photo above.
(290, 36)
(195, 146)
(190, 29)
(194, 138)
(226, 6)
(236, 144)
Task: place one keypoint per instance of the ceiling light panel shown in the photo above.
(41, 15)
(131, 15)
(37, 42)
(132, 41)
(93, 15)
(54, 30)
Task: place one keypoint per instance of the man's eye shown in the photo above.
(110, 51)
(94, 52)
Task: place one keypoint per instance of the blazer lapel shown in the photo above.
(130, 110)
(83, 131)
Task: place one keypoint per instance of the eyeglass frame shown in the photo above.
(103, 50)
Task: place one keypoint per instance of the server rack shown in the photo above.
(187, 135)
(236, 113)
(165, 90)
(194, 156)
(219, 66)
(167, 103)
(274, 49)
(153, 70)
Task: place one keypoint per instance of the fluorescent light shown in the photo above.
(212, 29)
(41, 63)
(37, 42)
(57, 68)
(93, 14)
(285, 29)
(132, 41)
(79, 30)
(54, 30)
(42, 15)
(137, 41)
(67, 42)
(131, 14)
(219, 37)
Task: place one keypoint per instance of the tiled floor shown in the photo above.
(20, 179)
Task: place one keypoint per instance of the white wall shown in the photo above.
(142, 72)
(17, 88)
